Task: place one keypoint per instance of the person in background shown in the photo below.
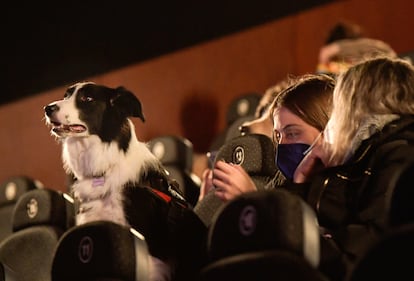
(347, 45)
(344, 29)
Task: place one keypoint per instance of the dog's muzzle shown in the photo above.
(59, 128)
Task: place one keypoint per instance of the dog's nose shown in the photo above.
(49, 109)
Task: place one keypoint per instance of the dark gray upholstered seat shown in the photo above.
(242, 106)
(10, 191)
(264, 235)
(240, 109)
(176, 154)
(39, 218)
(262, 266)
(255, 153)
(101, 251)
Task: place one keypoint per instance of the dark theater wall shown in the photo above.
(187, 92)
(50, 44)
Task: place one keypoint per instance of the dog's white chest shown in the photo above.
(98, 200)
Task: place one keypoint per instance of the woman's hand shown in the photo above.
(231, 180)
(311, 163)
(206, 184)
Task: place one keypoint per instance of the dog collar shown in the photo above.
(98, 181)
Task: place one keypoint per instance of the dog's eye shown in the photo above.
(86, 98)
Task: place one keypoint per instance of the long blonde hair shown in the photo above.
(379, 86)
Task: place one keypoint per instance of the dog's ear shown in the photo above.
(126, 101)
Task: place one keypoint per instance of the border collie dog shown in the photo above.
(101, 150)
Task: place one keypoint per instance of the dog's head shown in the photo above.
(91, 109)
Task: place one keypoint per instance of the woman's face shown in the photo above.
(289, 128)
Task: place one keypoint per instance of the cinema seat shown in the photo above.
(240, 109)
(101, 251)
(264, 235)
(176, 154)
(10, 191)
(242, 106)
(255, 153)
(39, 218)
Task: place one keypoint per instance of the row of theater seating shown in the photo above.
(44, 243)
(39, 218)
(251, 238)
(21, 197)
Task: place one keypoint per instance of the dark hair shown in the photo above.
(310, 98)
(344, 30)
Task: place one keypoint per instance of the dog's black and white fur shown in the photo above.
(101, 150)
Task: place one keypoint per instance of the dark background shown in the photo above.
(48, 45)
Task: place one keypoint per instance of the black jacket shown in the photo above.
(353, 201)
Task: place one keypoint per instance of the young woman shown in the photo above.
(300, 113)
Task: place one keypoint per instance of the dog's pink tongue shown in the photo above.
(77, 128)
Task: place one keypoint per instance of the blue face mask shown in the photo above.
(288, 157)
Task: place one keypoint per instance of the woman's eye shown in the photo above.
(292, 135)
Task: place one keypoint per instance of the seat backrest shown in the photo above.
(234, 130)
(101, 250)
(240, 110)
(39, 218)
(271, 232)
(10, 191)
(242, 106)
(255, 153)
(264, 266)
(264, 220)
(176, 155)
